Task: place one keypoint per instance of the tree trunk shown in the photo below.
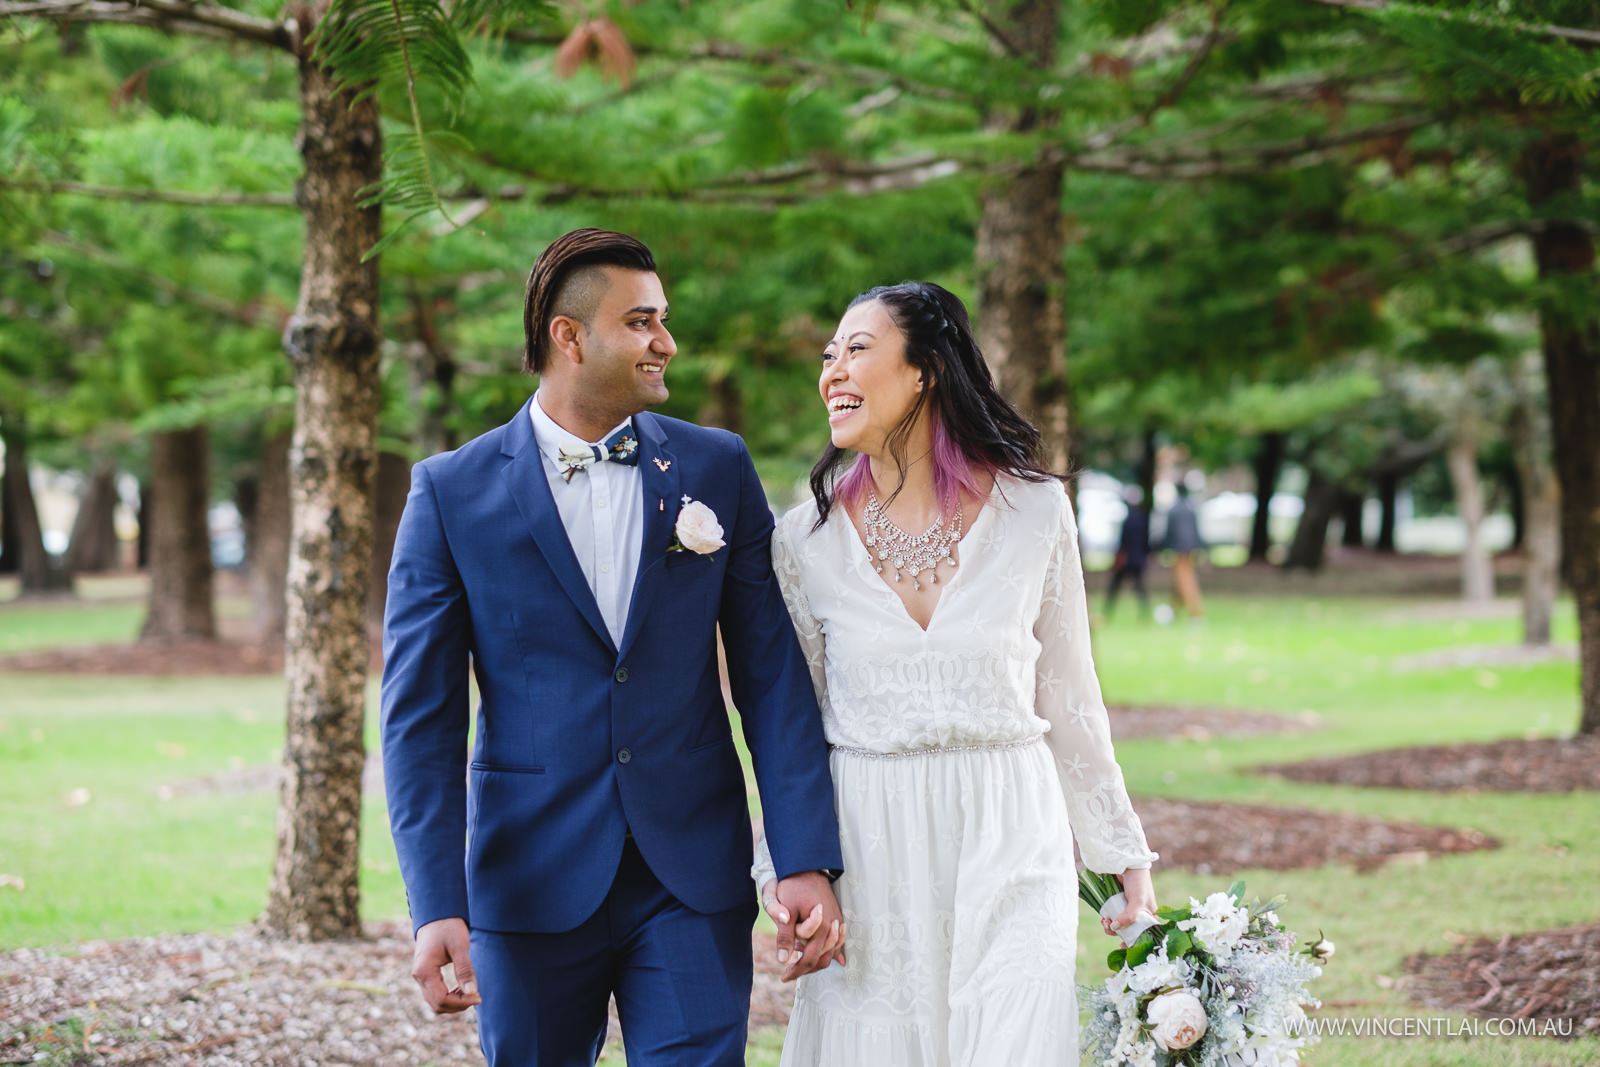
(1147, 468)
(1021, 276)
(39, 573)
(269, 542)
(93, 547)
(141, 555)
(1569, 329)
(1351, 507)
(432, 374)
(724, 405)
(1389, 499)
(394, 483)
(1311, 533)
(10, 524)
(1477, 572)
(332, 341)
(1529, 431)
(1517, 505)
(1268, 465)
(180, 605)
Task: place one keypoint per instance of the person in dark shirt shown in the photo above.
(1133, 551)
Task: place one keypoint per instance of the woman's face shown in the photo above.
(866, 383)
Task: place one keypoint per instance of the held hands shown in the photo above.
(442, 942)
(1141, 893)
(810, 926)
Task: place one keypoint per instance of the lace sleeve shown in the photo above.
(807, 627)
(809, 631)
(1108, 831)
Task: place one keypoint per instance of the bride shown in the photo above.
(938, 594)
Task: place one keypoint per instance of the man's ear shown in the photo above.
(566, 338)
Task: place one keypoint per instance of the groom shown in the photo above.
(598, 843)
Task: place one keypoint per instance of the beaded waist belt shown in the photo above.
(934, 750)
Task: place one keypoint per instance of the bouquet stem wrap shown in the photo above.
(1115, 906)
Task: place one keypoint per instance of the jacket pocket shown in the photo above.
(724, 740)
(505, 768)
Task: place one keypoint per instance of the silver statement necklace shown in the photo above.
(887, 543)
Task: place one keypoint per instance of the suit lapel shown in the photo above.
(530, 488)
(658, 472)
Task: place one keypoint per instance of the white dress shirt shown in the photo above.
(602, 509)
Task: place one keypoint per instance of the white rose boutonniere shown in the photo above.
(697, 530)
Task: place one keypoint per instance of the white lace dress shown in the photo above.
(961, 756)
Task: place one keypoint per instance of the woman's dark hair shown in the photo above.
(975, 429)
(569, 255)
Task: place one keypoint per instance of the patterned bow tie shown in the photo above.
(621, 447)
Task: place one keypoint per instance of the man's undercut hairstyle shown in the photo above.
(566, 281)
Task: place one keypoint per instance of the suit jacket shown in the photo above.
(578, 740)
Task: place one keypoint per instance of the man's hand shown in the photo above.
(440, 943)
(811, 930)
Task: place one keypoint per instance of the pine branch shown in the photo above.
(993, 29)
(1241, 160)
(206, 20)
(158, 196)
(1172, 92)
(244, 314)
(1586, 38)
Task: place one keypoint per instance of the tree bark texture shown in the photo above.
(1021, 243)
(1389, 500)
(39, 573)
(269, 541)
(332, 342)
(180, 603)
(1569, 329)
(10, 528)
(1147, 467)
(1351, 507)
(93, 547)
(1477, 572)
(1310, 542)
(1268, 466)
(1529, 431)
(394, 483)
(431, 376)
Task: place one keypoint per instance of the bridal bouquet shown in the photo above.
(1216, 983)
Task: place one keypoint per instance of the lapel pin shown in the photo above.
(661, 505)
(660, 465)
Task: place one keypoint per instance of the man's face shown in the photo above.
(626, 346)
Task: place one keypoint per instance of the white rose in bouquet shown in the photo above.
(698, 529)
(1177, 1020)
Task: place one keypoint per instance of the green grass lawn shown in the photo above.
(99, 816)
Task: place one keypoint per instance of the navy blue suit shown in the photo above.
(604, 800)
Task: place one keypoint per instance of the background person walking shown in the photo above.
(1133, 551)
(1183, 540)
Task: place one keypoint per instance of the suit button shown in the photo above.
(622, 674)
(624, 756)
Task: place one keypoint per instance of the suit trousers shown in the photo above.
(681, 981)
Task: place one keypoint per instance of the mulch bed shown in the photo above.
(1202, 724)
(1538, 765)
(149, 659)
(1220, 838)
(210, 1001)
(1548, 975)
(232, 655)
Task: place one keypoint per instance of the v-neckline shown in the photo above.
(863, 559)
